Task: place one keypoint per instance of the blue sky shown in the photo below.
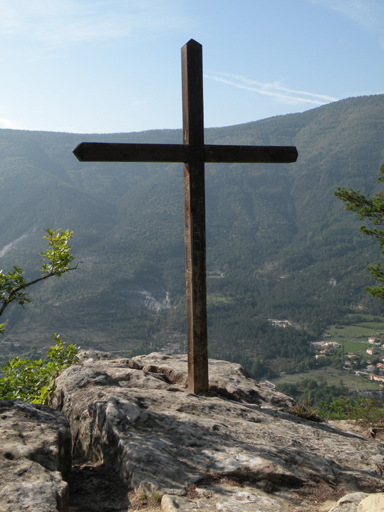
(105, 66)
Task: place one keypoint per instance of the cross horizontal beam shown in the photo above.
(194, 154)
(123, 152)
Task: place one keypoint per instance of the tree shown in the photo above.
(370, 208)
(56, 261)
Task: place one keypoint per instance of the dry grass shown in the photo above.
(139, 502)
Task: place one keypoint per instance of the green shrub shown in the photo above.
(33, 381)
(365, 409)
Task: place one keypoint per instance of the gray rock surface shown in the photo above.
(35, 455)
(236, 448)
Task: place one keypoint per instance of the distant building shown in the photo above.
(375, 377)
(371, 351)
(373, 340)
(331, 344)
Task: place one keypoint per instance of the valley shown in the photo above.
(280, 246)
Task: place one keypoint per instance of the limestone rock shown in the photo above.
(234, 448)
(35, 456)
(225, 379)
(349, 503)
(373, 503)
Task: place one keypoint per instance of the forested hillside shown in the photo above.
(279, 244)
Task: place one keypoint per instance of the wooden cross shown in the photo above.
(193, 153)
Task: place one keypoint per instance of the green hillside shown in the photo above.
(279, 244)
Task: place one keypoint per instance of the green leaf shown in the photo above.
(58, 257)
(33, 380)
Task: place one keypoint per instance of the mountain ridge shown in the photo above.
(275, 232)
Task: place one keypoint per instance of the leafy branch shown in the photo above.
(56, 261)
(370, 208)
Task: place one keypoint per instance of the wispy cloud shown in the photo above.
(367, 13)
(279, 92)
(62, 22)
(8, 123)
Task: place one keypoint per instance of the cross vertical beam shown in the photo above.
(194, 206)
(193, 153)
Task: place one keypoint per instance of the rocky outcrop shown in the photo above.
(236, 448)
(35, 458)
(147, 293)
